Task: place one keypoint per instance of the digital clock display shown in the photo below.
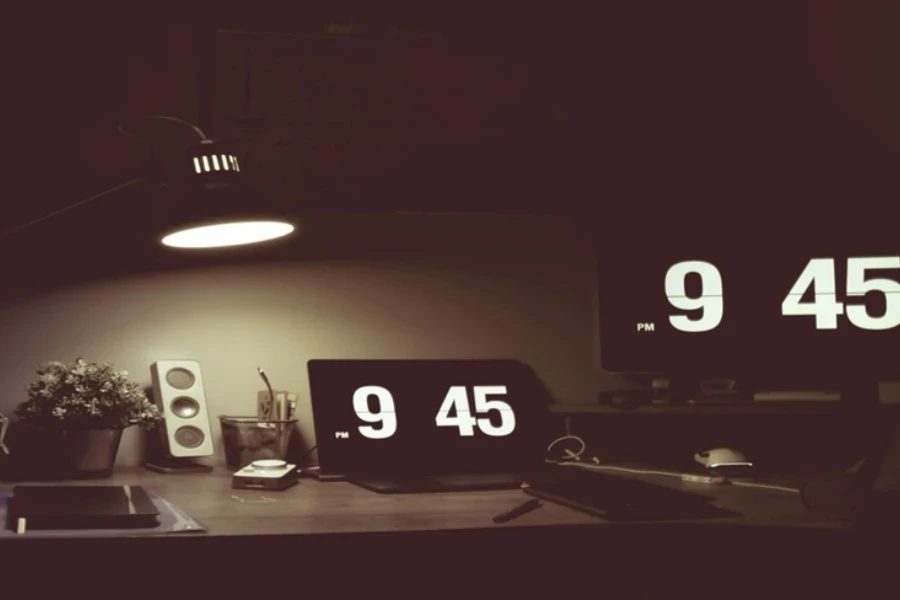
(726, 313)
(393, 415)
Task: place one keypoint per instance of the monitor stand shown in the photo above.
(157, 459)
(858, 392)
(172, 465)
(695, 389)
(317, 474)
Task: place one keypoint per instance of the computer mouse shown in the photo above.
(722, 457)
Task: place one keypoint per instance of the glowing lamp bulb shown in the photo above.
(228, 234)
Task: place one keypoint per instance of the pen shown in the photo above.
(4, 424)
(518, 511)
(272, 408)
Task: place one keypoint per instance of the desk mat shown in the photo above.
(171, 520)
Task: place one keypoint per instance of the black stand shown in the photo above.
(324, 477)
(170, 465)
(158, 460)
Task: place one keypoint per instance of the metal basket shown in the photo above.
(247, 439)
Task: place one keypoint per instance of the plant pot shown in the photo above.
(90, 453)
(45, 454)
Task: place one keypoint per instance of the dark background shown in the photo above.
(763, 125)
(773, 115)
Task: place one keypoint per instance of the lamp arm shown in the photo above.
(122, 129)
(159, 118)
(70, 207)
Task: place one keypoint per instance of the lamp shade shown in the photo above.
(215, 209)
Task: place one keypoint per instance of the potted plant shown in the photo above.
(85, 406)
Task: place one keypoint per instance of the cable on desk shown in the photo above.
(598, 467)
(574, 460)
(572, 456)
(765, 486)
(306, 456)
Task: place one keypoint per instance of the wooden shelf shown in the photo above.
(756, 408)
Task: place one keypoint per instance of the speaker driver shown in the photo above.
(180, 379)
(185, 407)
(189, 436)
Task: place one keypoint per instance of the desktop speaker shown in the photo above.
(185, 430)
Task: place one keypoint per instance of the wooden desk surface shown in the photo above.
(340, 537)
(312, 507)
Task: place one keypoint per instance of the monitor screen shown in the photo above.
(426, 416)
(824, 306)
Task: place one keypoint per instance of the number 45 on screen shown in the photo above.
(818, 276)
(454, 411)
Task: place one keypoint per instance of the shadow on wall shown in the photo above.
(513, 288)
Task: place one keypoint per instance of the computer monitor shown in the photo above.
(427, 416)
(763, 302)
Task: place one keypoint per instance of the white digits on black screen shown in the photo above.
(455, 411)
(859, 284)
(385, 413)
(710, 301)
(819, 277)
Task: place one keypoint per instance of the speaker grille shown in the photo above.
(184, 407)
(189, 436)
(179, 378)
(178, 392)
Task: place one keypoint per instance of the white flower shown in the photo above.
(98, 393)
(49, 378)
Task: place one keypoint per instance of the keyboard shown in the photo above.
(620, 498)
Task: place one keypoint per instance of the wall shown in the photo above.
(493, 287)
(438, 287)
(78, 79)
(448, 300)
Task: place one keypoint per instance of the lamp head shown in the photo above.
(215, 209)
(213, 163)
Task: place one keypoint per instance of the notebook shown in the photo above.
(80, 507)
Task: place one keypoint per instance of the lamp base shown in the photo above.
(172, 465)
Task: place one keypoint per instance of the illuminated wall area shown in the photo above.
(505, 288)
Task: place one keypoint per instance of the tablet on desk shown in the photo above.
(80, 507)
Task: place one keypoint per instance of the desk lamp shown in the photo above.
(212, 206)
